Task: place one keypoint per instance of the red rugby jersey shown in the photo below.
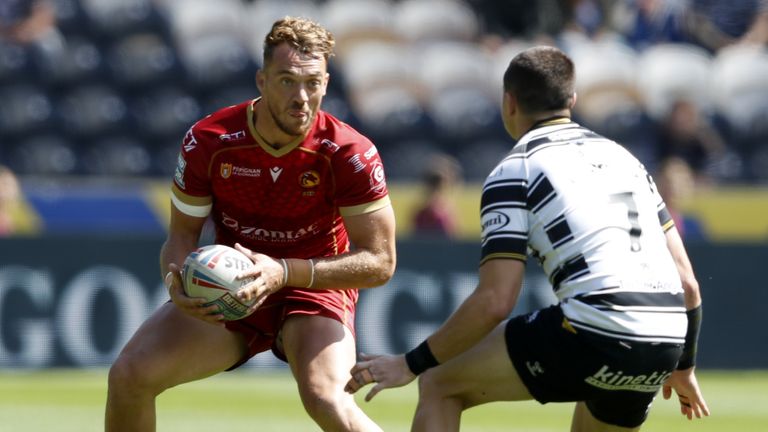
(286, 203)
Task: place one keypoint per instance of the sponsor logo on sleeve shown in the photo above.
(178, 176)
(493, 221)
(370, 153)
(189, 141)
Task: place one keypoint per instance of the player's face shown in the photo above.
(293, 85)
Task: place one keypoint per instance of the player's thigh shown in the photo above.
(480, 375)
(319, 349)
(172, 347)
(584, 421)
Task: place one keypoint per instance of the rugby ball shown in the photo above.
(210, 272)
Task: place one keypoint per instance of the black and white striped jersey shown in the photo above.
(590, 213)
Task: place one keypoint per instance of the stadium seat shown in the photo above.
(739, 87)
(371, 64)
(164, 111)
(353, 22)
(80, 60)
(450, 64)
(404, 159)
(464, 113)
(479, 157)
(116, 18)
(15, 61)
(258, 17)
(116, 156)
(191, 19)
(42, 155)
(92, 109)
(216, 59)
(392, 112)
(141, 60)
(668, 72)
(420, 20)
(24, 109)
(606, 82)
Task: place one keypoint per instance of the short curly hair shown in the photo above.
(303, 34)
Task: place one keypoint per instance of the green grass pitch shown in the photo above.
(73, 400)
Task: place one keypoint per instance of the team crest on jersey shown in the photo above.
(225, 170)
(309, 179)
(378, 181)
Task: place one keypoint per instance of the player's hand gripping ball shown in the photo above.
(210, 272)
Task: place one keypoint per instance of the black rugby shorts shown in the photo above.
(617, 379)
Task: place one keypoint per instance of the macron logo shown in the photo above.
(275, 173)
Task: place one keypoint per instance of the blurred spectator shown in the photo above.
(685, 133)
(676, 184)
(715, 24)
(522, 18)
(30, 22)
(436, 216)
(648, 22)
(9, 197)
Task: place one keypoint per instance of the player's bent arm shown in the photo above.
(370, 263)
(183, 236)
(684, 267)
(490, 304)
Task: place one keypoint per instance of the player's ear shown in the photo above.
(509, 105)
(572, 102)
(325, 84)
(260, 79)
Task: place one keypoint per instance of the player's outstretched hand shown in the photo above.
(688, 393)
(386, 371)
(194, 306)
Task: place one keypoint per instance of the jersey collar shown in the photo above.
(260, 139)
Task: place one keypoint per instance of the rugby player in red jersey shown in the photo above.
(294, 188)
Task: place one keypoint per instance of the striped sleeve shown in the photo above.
(504, 219)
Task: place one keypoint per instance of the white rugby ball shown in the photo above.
(210, 272)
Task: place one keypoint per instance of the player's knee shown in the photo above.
(127, 376)
(433, 386)
(326, 405)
